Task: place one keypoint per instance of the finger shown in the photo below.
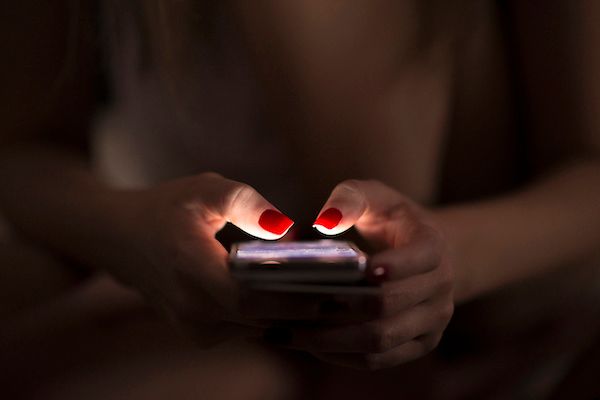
(241, 205)
(423, 253)
(400, 295)
(375, 361)
(391, 298)
(375, 336)
(368, 205)
(344, 207)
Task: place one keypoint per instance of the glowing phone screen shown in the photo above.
(273, 250)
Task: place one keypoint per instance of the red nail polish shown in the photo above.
(329, 218)
(274, 222)
(378, 273)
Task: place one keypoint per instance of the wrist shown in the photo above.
(461, 248)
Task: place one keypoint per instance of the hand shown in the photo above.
(179, 265)
(415, 302)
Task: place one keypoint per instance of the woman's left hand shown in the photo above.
(415, 302)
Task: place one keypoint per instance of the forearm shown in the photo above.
(49, 194)
(555, 222)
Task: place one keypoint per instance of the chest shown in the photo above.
(427, 111)
(444, 129)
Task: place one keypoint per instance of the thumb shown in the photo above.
(368, 205)
(226, 200)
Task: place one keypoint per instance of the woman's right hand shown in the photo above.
(178, 265)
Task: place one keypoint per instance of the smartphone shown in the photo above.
(323, 262)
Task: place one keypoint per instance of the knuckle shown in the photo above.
(441, 316)
(399, 211)
(431, 238)
(377, 185)
(446, 283)
(209, 176)
(429, 259)
(205, 179)
(436, 239)
(443, 282)
(446, 312)
(240, 194)
(351, 185)
(435, 341)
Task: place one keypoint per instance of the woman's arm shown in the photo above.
(46, 102)
(556, 220)
(554, 223)
(48, 99)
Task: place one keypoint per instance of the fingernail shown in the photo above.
(277, 336)
(274, 222)
(329, 218)
(378, 273)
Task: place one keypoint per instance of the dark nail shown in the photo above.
(378, 273)
(277, 336)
